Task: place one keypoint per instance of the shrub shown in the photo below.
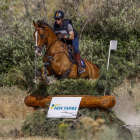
(38, 125)
(108, 20)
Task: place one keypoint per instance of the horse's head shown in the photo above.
(40, 36)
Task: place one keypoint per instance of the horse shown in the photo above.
(56, 59)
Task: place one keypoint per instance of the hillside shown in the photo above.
(97, 22)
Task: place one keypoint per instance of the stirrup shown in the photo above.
(82, 71)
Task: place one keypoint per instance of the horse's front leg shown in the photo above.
(44, 73)
(41, 71)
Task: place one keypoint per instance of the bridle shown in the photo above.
(41, 48)
(44, 43)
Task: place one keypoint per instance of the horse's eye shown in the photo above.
(42, 35)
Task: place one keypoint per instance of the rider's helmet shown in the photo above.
(59, 14)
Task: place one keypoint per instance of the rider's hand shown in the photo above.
(65, 37)
(60, 36)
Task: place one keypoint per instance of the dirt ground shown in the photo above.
(127, 106)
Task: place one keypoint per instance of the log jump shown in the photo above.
(87, 101)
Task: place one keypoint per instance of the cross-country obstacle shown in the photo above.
(87, 101)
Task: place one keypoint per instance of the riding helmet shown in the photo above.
(59, 14)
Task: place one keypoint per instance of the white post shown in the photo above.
(35, 69)
(108, 59)
(113, 46)
(35, 66)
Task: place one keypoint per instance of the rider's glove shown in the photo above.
(60, 36)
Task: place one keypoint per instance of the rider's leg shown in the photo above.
(78, 59)
(75, 44)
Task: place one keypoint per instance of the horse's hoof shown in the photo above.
(47, 80)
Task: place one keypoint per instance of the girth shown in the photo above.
(48, 63)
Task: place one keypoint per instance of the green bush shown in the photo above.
(38, 125)
(109, 20)
(3, 80)
(69, 87)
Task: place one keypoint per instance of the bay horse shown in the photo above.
(56, 59)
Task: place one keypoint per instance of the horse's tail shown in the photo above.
(97, 66)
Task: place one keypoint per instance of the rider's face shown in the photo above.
(59, 21)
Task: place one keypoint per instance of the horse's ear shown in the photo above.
(40, 24)
(35, 24)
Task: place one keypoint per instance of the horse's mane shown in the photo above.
(44, 23)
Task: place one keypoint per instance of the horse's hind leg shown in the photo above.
(95, 71)
(92, 70)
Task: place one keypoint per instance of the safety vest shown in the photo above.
(64, 26)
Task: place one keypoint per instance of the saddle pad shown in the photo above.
(83, 63)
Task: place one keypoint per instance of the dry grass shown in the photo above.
(6, 125)
(10, 129)
(36, 138)
(126, 103)
(13, 111)
(28, 138)
(12, 103)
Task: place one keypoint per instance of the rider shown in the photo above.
(71, 37)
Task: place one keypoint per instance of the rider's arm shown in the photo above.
(71, 33)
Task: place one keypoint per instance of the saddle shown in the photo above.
(70, 50)
(72, 56)
(71, 53)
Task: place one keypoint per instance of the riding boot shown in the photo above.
(78, 59)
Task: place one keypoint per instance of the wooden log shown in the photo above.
(88, 101)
